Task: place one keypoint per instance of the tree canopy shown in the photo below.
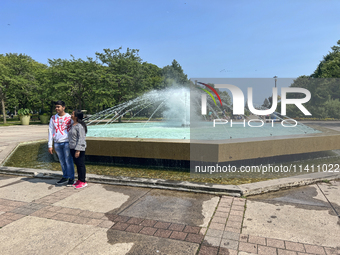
(18, 83)
(324, 86)
(329, 67)
(112, 78)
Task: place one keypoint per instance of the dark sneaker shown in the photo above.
(62, 181)
(70, 182)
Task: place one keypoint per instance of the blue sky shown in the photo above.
(238, 39)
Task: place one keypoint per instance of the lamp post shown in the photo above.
(275, 77)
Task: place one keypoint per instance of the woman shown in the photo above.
(77, 145)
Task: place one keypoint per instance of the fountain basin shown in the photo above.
(179, 152)
(125, 153)
(138, 151)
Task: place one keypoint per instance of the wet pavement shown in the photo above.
(301, 215)
(37, 217)
(198, 208)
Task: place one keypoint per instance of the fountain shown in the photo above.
(167, 112)
(168, 117)
(174, 134)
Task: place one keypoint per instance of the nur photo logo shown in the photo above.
(238, 99)
(239, 102)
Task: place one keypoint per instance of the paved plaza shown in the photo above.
(38, 217)
(11, 136)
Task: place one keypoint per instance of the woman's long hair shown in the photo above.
(79, 115)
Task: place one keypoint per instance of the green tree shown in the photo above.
(153, 76)
(173, 74)
(333, 108)
(113, 78)
(44, 89)
(324, 88)
(126, 75)
(5, 84)
(329, 67)
(75, 81)
(266, 103)
(17, 81)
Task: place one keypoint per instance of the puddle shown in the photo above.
(173, 206)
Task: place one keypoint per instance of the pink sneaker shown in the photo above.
(76, 183)
(81, 185)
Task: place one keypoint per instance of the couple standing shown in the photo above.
(68, 134)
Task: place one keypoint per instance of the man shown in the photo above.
(60, 125)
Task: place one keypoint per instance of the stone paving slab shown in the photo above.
(97, 243)
(32, 235)
(301, 215)
(88, 199)
(4, 181)
(300, 224)
(29, 189)
(191, 209)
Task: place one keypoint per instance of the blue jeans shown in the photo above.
(65, 159)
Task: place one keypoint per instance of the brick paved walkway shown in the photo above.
(223, 235)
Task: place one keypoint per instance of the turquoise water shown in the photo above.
(140, 130)
(202, 130)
